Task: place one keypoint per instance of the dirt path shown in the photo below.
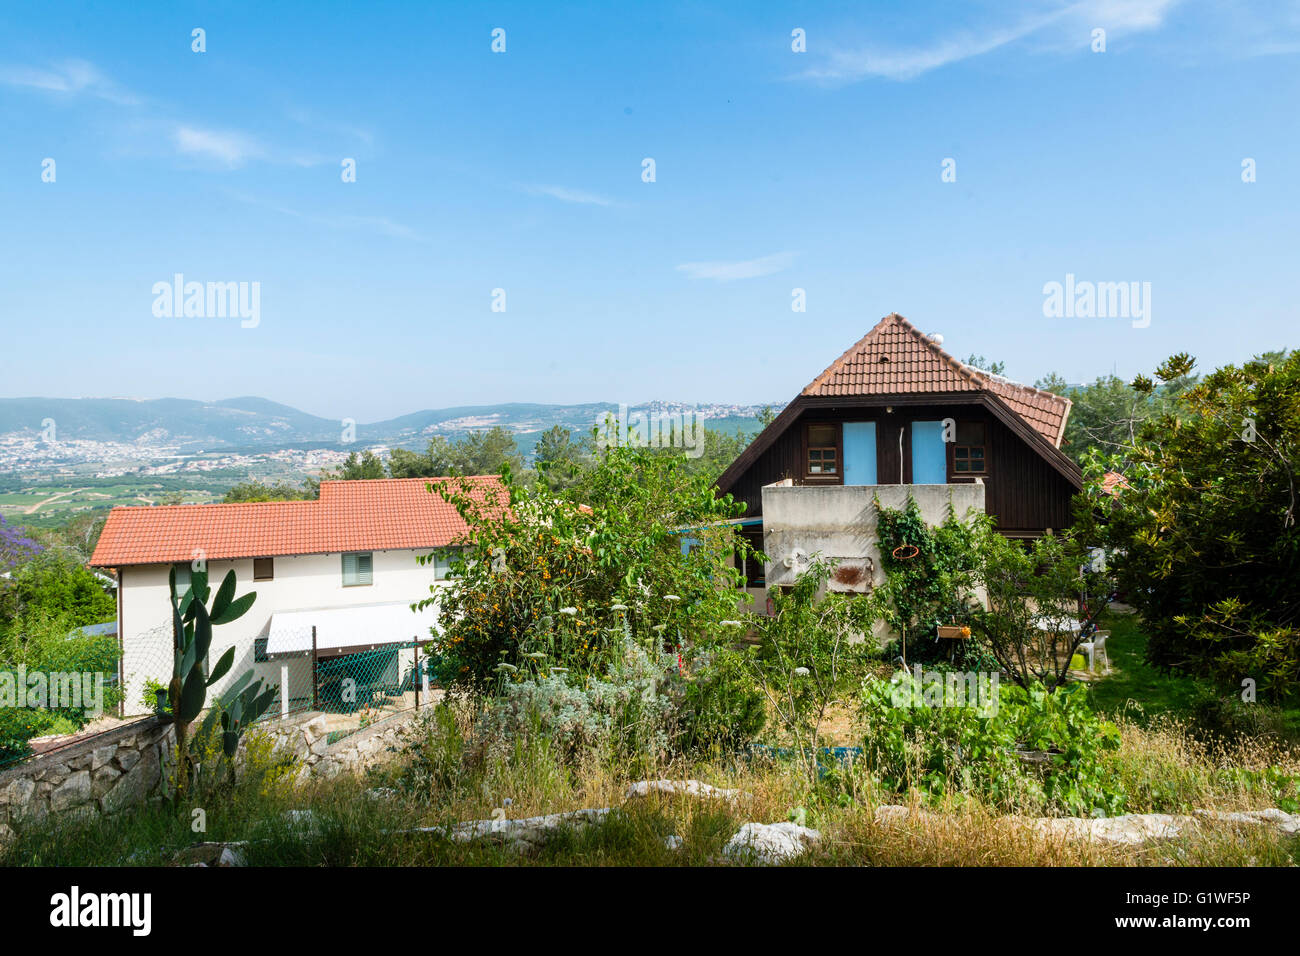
(62, 494)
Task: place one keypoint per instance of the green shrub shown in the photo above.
(812, 651)
(48, 642)
(631, 711)
(954, 750)
(1218, 715)
(721, 708)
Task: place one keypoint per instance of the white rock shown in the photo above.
(692, 788)
(1129, 829)
(231, 857)
(770, 843)
(1285, 822)
(527, 831)
(304, 822)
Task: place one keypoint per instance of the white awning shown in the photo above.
(348, 629)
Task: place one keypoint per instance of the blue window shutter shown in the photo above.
(929, 455)
(860, 453)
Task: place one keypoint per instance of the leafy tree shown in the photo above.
(559, 458)
(259, 491)
(46, 640)
(1203, 537)
(543, 585)
(720, 450)
(484, 453)
(1107, 414)
(478, 453)
(58, 583)
(358, 467)
(986, 365)
(438, 459)
(1032, 593)
(16, 548)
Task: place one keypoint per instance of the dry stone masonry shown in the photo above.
(131, 764)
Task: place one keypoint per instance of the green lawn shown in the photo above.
(1158, 692)
(1132, 678)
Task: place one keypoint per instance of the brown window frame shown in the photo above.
(257, 576)
(835, 477)
(953, 472)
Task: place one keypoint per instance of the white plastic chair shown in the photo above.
(1094, 645)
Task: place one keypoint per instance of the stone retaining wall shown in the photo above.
(306, 738)
(103, 774)
(126, 766)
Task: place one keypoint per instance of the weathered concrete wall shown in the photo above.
(839, 522)
(129, 765)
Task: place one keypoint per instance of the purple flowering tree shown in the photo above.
(15, 549)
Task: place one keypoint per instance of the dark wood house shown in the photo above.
(896, 409)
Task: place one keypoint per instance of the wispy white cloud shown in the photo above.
(314, 121)
(1050, 25)
(743, 269)
(565, 194)
(230, 148)
(72, 78)
(376, 224)
(233, 149)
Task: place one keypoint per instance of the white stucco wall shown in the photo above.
(308, 581)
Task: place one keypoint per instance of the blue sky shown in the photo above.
(522, 170)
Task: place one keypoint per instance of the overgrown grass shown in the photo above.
(368, 820)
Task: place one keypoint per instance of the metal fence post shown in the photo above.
(415, 676)
(315, 696)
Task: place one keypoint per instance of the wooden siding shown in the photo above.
(1025, 495)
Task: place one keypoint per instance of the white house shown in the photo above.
(334, 577)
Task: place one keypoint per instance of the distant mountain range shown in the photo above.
(257, 423)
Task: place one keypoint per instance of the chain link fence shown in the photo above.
(353, 680)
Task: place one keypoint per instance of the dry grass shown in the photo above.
(1162, 767)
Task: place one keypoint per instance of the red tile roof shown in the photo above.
(1112, 482)
(379, 515)
(896, 358)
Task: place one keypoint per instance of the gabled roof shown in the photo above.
(376, 515)
(896, 358)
